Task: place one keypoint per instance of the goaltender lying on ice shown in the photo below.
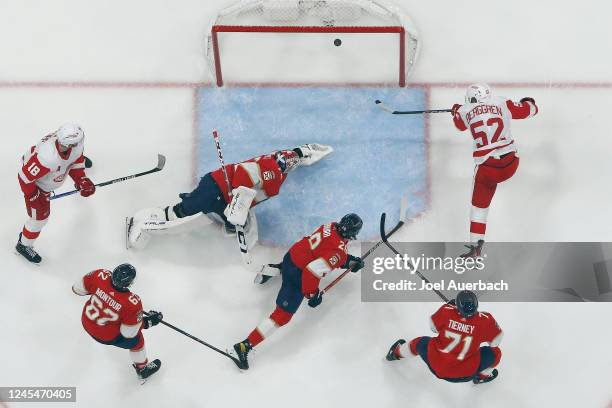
(226, 201)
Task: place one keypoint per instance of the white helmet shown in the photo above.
(69, 134)
(477, 93)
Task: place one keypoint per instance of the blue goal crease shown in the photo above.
(377, 158)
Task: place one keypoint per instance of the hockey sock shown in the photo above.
(31, 231)
(478, 223)
(139, 357)
(265, 329)
(28, 237)
(278, 318)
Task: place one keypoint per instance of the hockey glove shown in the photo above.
(354, 263)
(85, 186)
(316, 299)
(455, 109)
(153, 318)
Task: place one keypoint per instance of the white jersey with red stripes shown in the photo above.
(489, 124)
(45, 158)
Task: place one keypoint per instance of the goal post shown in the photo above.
(289, 38)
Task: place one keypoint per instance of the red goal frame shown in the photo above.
(309, 29)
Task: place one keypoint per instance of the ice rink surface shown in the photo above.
(129, 73)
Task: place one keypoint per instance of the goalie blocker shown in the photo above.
(256, 179)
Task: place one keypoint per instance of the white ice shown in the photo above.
(103, 65)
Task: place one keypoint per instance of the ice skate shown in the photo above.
(27, 252)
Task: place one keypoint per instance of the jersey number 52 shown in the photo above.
(481, 135)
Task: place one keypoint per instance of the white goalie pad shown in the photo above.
(313, 152)
(237, 211)
(152, 221)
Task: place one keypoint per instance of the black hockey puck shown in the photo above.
(337, 42)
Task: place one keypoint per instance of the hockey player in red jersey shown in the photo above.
(304, 265)
(488, 119)
(251, 182)
(44, 168)
(113, 314)
(456, 355)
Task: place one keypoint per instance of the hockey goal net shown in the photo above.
(302, 41)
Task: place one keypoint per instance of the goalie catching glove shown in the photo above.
(311, 153)
(237, 210)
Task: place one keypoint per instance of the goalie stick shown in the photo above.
(384, 107)
(240, 234)
(161, 162)
(403, 208)
(210, 346)
(420, 275)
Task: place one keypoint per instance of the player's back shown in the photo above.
(108, 308)
(455, 352)
(325, 243)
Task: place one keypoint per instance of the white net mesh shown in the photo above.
(308, 13)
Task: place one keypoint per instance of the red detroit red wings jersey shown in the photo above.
(259, 173)
(317, 255)
(489, 123)
(46, 167)
(108, 308)
(455, 352)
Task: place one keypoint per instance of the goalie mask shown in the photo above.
(477, 93)
(287, 160)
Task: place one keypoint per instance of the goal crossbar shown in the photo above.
(308, 29)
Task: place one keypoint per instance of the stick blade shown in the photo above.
(161, 161)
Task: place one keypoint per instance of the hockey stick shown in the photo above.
(384, 107)
(240, 234)
(192, 337)
(161, 162)
(379, 243)
(384, 239)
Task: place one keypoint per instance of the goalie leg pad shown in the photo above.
(237, 211)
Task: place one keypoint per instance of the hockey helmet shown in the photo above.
(69, 135)
(286, 160)
(123, 276)
(349, 226)
(467, 303)
(477, 93)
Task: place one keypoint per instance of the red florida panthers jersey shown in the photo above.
(455, 352)
(260, 173)
(108, 308)
(317, 255)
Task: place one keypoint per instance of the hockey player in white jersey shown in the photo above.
(488, 118)
(44, 169)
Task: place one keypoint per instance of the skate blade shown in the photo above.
(29, 263)
(129, 221)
